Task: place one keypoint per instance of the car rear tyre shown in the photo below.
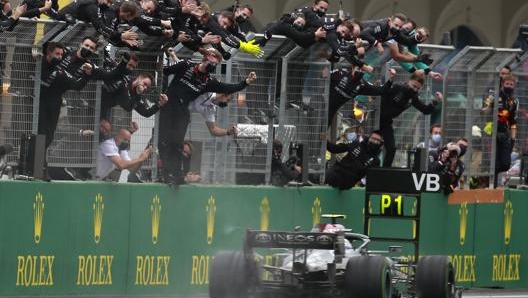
(435, 277)
(368, 277)
(231, 275)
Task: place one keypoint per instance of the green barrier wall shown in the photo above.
(92, 238)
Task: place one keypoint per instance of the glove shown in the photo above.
(251, 48)
(226, 55)
(424, 58)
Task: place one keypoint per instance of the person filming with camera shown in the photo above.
(448, 164)
(283, 172)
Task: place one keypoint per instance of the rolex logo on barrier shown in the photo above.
(38, 216)
(264, 214)
(98, 208)
(155, 210)
(508, 218)
(463, 215)
(211, 211)
(316, 211)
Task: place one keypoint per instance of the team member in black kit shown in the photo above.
(394, 102)
(190, 80)
(127, 92)
(55, 82)
(348, 171)
(346, 84)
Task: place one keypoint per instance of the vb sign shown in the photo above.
(426, 182)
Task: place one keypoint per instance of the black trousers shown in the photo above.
(303, 39)
(335, 103)
(389, 142)
(49, 112)
(173, 123)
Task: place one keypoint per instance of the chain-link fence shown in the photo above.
(288, 102)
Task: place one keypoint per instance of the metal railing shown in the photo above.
(289, 102)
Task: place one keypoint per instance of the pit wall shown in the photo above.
(142, 239)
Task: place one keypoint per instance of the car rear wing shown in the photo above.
(297, 240)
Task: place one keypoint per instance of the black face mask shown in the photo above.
(463, 150)
(240, 19)
(55, 61)
(86, 53)
(320, 13)
(298, 26)
(222, 104)
(507, 90)
(394, 30)
(124, 145)
(410, 93)
(211, 67)
(373, 148)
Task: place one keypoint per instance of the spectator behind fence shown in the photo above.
(206, 105)
(449, 165)
(112, 157)
(347, 172)
(514, 170)
(283, 172)
(435, 139)
(507, 109)
(394, 102)
(187, 152)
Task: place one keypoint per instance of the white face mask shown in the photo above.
(351, 136)
(436, 138)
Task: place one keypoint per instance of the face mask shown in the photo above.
(124, 145)
(394, 30)
(298, 27)
(240, 19)
(410, 93)
(463, 150)
(320, 13)
(211, 67)
(373, 148)
(436, 138)
(514, 156)
(507, 90)
(86, 53)
(55, 61)
(351, 136)
(222, 104)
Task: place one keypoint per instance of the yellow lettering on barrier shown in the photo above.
(465, 267)
(200, 270)
(506, 267)
(152, 270)
(94, 270)
(34, 271)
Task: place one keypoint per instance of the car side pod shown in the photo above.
(368, 277)
(435, 278)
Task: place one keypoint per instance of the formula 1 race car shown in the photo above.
(329, 261)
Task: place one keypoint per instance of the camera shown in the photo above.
(295, 153)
